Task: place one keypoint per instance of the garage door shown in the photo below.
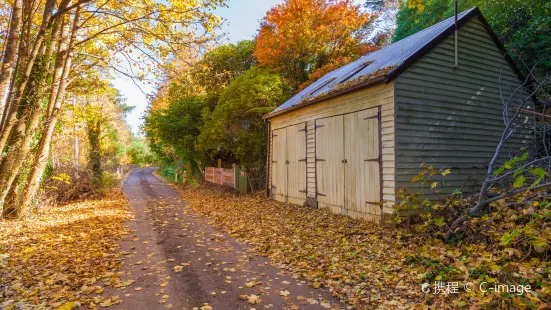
(348, 163)
(329, 165)
(296, 156)
(279, 164)
(362, 170)
(289, 163)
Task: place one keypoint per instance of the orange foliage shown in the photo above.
(321, 71)
(364, 49)
(300, 36)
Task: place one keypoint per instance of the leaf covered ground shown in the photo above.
(61, 257)
(368, 266)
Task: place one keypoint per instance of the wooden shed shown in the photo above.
(355, 136)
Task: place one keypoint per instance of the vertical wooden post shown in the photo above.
(219, 163)
(176, 176)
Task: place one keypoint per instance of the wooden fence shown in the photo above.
(220, 176)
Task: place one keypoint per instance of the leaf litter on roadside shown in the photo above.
(362, 263)
(61, 256)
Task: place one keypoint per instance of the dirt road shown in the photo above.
(178, 260)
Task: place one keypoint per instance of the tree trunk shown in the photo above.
(22, 134)
(94, 132)
(30, 111)
(10, 56)
(11, 117)
(61, 73)
(75, 153)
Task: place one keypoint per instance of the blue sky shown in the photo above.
(242, 22)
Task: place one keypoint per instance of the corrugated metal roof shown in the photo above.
(391, 56)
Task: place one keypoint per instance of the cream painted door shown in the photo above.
(296, 157)
(362, 168)
(279, 165)
(329, 162)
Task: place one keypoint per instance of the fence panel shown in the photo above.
(220, 176)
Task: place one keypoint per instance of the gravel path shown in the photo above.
(178, 260)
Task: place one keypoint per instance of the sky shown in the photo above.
(242, 22)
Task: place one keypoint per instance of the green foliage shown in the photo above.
(410, 20)
(523, 26)
(510, 164)
(427, 203)
(109, 179)
(177, 128)
(140, 153)
(236, 123)
(221, 65)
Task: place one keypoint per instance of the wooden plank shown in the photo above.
(361, 142)
(279, 165)
(351, 102)
(330, 171)
(296, 156)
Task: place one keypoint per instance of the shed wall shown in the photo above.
(452, 117)
(379, 95)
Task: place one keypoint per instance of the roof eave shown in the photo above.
(375, 81)
(408, 62)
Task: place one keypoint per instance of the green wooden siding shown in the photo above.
(452, 117)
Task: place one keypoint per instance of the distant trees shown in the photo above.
(236, 123)
(173, 131)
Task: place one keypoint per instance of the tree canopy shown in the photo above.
(236, 123)
(299, 36)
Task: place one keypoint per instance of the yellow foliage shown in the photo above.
(367, 265)
(55, 258)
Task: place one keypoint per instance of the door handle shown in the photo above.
(344, 161)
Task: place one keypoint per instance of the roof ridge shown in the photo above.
(395, 56)
(434, 26)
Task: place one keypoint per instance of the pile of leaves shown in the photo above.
(60, 256)
(369, 266)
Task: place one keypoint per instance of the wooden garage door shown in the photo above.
(362, 168)
(279, 166)
(296, 157)
(329, 165)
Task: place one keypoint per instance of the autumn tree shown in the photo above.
(236, 123)
(54, 43)
(300, 36)
(177, 111)
(220, 66)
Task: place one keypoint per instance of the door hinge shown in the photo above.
(319, 194)
(303, 191)
(302, 159)
(378, 159)
(319, 126)
(373, 116)
(319, 159)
